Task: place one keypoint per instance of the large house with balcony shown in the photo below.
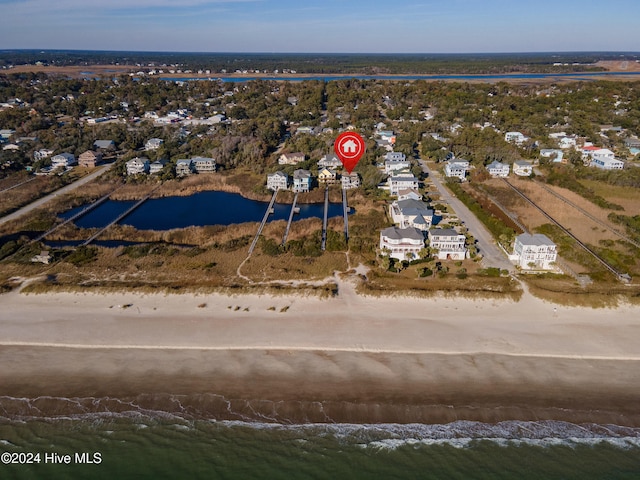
(457, 167)
(534, 252)
(277, 181)
(402, 182)
(137, 166)
(401, 243)
(450, 244)
(301, 181)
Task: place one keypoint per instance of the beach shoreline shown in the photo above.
(350, 359)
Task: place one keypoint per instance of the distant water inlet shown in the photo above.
(200, 209)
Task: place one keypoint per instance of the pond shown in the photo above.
(200, 209)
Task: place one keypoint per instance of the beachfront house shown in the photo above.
(89, 159)
(350, 180)
(153, 144)
(498, 169)
(137, 166)
(63, 160)
(301, 181)
(448, 244)
(277, 181)
(534, 252)
(401, 243)
(522, 168)
(291, 158)
(329, 161)
(184, 167)
(402, 182)
(157, 166)
(327, 176)
(204, 164)
(457, 167)
(411, 213)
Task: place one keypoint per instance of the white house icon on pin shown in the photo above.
(349, 146)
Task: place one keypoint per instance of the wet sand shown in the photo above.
(350, 359)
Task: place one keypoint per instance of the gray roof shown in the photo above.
(103, 144)
(278, 174)
(414, 207)
(400, 233)
(535, 239)
(301, 174)
(443, 232)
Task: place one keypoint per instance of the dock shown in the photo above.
(118, 218)
(323, 245)
(345, 214)
(264, 221)
(293, 211)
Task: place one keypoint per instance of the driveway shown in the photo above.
(72, 186)
(492, 255)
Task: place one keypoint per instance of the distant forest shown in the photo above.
(327, 63)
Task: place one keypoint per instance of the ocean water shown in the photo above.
(135, 443)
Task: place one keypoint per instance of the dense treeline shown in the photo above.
(325, 63)
(263, 117)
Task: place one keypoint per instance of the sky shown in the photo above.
(324, 26)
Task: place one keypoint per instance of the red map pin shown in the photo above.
(349, 148)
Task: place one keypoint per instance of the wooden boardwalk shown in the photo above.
(323, 245)
(293, 211)
(264, 221)
(118, 218)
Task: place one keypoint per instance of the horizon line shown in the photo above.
(554, 52)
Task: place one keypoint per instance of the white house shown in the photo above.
(567, 142)
(350, 180)
(555, 154)
(329, 161)
(301, 181)
(409, 193)
(515, 137)
(204, 164)
(457, 167)
(157, 166)
(411, 213)
(402, 243)
(450, 244)
(42, 153)
(291, 158)
(137, 166)
(153, 144)
(184, 167)
(395, 157)
(391, 166)
(606, 163)
(498, 169)
(535, 251)
(63, 160)
(277, 181)
(402, 182)
(522, 168)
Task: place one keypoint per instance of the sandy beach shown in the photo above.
(348, 359)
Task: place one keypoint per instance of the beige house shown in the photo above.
(327, 176)
(291, 158)
(89, 159)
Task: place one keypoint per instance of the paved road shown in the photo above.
(72, 186)
(493, 256)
